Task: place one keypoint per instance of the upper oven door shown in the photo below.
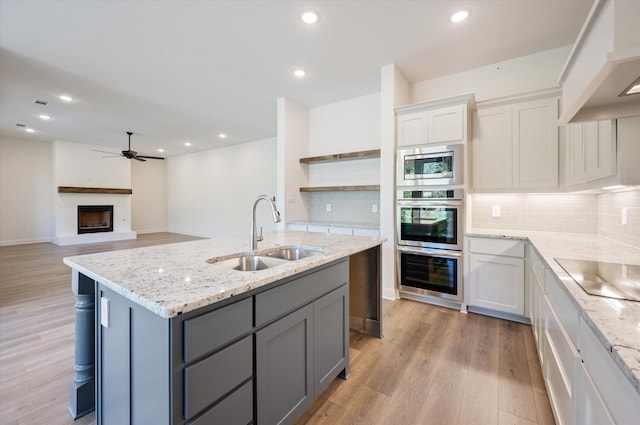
(431, 165)
(434, 224)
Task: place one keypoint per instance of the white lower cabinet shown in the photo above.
(496, 275)
(584, 384)
(591, 407)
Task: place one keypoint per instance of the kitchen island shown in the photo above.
(180, 339)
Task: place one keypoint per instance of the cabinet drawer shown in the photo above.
(618, 395)
(564, 308)
(237, 409)
(537, 265)
(285, 298)
(561, 360)
(205, 333)
(506, 247)
(211, 378)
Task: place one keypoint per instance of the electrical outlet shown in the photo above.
(495, 211)
(374, 208)
(104, 312)
(328, 207)
(624, 216)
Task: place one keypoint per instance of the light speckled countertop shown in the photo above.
(176, 278)
(616, 324)
(337, 224)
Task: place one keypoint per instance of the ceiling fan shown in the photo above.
(129, 154)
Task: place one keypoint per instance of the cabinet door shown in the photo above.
(491, 149)
(412, 129)
(284, 368)
(446, 124)
(574, 164)
(497, 283)
(331, 337)
(600, 148)
(535, 144)
(591, 408)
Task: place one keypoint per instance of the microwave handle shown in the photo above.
(427, 204)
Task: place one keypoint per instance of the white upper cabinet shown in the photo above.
(492, 148)
(515, 145)
(589, 152)
(441, 121)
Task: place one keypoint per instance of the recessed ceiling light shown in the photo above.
(299, 73)
(309, 17)
(222, 136)
(187, 143)
(160, 150)
(460, 16)
(634, 88)
(29, 130)
(44, 117)
(614, 187)
(66, 98)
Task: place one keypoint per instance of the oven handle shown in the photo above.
(430, 204)
(432, 252)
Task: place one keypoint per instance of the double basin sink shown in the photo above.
(251, 262)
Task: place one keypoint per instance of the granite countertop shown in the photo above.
(615, 322)
(173, 279)
(338, 224)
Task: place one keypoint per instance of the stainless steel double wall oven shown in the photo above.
(430, 221)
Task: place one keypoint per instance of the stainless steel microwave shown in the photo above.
(441, 165)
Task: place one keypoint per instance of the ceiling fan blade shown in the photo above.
(149, 157)
(112, 156)
(112, 153)
(137, 158)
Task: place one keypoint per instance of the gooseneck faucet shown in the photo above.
(276, 218)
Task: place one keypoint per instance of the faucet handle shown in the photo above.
(260, 237)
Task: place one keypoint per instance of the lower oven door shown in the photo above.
(431, 272)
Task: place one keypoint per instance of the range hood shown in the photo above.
(603, 64)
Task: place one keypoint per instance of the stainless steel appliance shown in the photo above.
(430, 234)
(611, 280)
(434, 272)
(439, 165)
(431, 218)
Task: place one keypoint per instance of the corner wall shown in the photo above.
(26, 178)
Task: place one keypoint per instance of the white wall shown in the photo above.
(149, 199)
(347, 126)
(25, 191)
(292, 144)
(514, 76)
(211, 193)
(79, 165)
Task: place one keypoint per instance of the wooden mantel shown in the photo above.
(111, 191)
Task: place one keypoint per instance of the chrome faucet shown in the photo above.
(276, 218)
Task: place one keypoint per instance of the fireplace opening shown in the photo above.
(95, 218)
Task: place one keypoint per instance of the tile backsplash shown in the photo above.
(610, 216)
(575, 213)
(346, 207)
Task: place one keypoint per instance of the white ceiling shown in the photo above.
(176, 71)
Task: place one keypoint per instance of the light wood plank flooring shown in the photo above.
(434, 365)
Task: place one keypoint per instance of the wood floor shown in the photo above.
(434, 365)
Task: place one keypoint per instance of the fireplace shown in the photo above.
(95, 218)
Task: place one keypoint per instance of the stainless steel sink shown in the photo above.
(292, 253)
(250, 262)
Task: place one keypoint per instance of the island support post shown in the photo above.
(82, 397)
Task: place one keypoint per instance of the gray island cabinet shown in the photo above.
(250, 348)
(198, 367)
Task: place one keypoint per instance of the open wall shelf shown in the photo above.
(374, 153)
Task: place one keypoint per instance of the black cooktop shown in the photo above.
(612, 280)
